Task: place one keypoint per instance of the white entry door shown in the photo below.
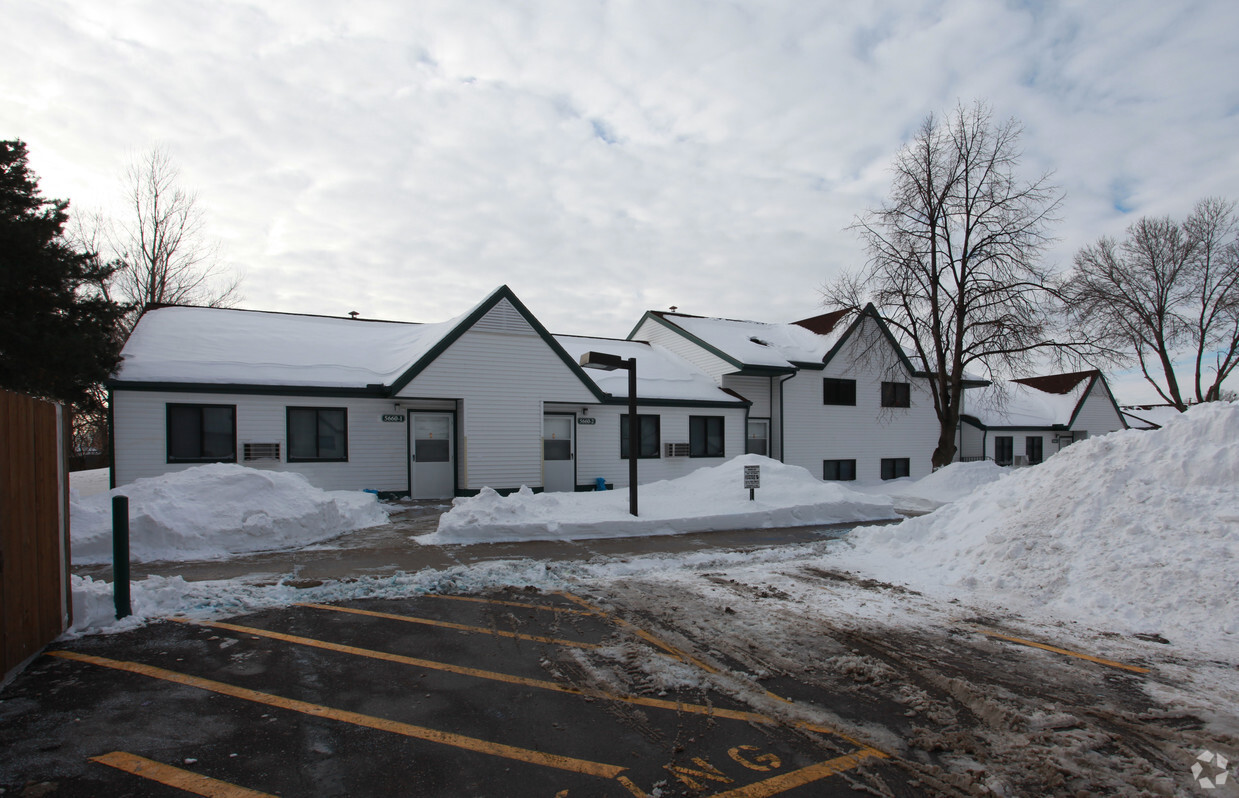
(558, 463)
(433, 459)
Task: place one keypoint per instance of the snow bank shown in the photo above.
(1136, 531)
(948, 484)
(89, 482)
(157, 597)
(212, 511)
(707, 499)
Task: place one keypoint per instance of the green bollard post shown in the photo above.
(120, 557)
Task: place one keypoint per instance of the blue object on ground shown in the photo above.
(600, 483)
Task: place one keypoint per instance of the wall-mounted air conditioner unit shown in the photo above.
(676, 450)
(254, 452)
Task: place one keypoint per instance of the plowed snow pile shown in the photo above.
(1134, 531)
(705, 500)
(212, 511)
(945, 485)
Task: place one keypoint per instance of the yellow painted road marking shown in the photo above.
(665, 646)
(524, 681)
(799, 778)
(632, 788)
(449, 625)
(356, 718)
(1056, 650)
(523, 604)
(639, 632)
(175, 777)
(685, 657)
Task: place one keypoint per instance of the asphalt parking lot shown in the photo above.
(490, 695)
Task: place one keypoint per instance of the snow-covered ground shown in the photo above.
(217, 510)
(89, 483)
(1134, 532)
(706, 500)
(1121, 547)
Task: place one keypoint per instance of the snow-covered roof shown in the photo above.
(1149, 416)
(661, 374)
(1030, 402)
(761, 344)
(245, 347)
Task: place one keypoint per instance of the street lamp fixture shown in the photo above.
(606, 362)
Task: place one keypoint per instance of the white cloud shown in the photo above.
(601, 158)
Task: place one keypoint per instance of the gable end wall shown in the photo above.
(656, 333)
(502, 381)
(868, 432)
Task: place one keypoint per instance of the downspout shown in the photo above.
(782, 416)
(111, 442)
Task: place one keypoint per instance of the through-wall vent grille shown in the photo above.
(252, 452)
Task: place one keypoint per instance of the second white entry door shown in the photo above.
(558, 458)
(432, 455)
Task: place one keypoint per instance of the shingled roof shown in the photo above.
(1058, 383)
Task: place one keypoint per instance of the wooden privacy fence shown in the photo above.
(35, 600)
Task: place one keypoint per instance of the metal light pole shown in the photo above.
(601, 360)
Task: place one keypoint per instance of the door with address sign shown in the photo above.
(558, 463)
(432, 456)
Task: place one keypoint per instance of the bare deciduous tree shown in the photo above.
(954, 257)
(1168, 290)
(164, 253)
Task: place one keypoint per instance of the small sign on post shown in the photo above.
(752, 478)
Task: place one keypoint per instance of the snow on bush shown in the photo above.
(212, 511)
(705, 500)
(1136, 530)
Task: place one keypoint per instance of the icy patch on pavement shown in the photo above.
(1137, 531)
(213, 511)
(157, 597)
(708, 499)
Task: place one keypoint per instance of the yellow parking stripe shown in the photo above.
(1056, 650)
(541, 684)
(356, 718)
(665, 646)
(458, 626)
(799, 778)
(522, 604)
(683, 656)
(175, 777)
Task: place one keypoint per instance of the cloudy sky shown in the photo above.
(602, 158)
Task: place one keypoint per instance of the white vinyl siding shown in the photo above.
(502, 381)
(376, 448)
(657, 333)
(972, 440)
(1098, 414)
(597, 445)
(756, 389)
(866, 433)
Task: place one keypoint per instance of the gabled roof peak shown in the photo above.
(1058, 383)
(825, 323)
